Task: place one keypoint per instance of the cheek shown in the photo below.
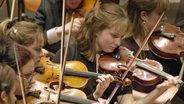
(18, 90)
(105, 44)
(18, 86)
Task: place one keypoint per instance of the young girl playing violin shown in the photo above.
(25, 62)
(27, 34)
(102, 31)
(143, 15)
(7, 84)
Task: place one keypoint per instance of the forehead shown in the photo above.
(38, 43)
(120, 28)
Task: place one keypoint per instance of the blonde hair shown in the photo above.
(7, 78)
(24, 33)
(107, 16)
(134, 8)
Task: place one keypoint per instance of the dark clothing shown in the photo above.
(74, 54)
(169, 66)
(48, 16)
(180, 16)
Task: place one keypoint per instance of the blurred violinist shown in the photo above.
(102, 31)
(7, 84)
(49, 17)
(143, 15)
(27, 34)
(25, 62)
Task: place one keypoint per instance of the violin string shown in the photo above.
(135, 57)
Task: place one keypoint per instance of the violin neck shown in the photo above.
(154, 70)
(75, 100)
(79, 73)
(151, 69)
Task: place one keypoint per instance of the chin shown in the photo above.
(109, 51)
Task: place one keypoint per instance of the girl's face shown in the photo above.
(152, 18)
(27, 76)
(36, 49)
(9, 98)
(108, 39)
(12, 97)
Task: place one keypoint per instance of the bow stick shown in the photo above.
(134, 58)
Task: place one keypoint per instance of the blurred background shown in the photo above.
(28, 7)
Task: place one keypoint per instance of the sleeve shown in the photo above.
(52, 36)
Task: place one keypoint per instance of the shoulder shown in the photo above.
(51, 2)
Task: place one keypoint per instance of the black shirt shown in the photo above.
(74, 54)
(170, 66)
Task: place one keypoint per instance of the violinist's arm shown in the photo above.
(54, 34)
(103, 82)
(152, 96)
(168, 94)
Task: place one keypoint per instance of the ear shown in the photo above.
(4, 96)
(143, 15)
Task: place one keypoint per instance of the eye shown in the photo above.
(38, 49)
(115, 35)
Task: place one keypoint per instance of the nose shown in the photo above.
(42, 52)
(117, 41)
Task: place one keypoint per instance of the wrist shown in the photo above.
(95, 95)
(57, 31)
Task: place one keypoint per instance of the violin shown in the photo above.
(76, 74)
(52, 71)
(145, 72)
(167, 43)
(40, 93)
(118, 61)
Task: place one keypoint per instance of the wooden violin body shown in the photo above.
(118, 64)
(168, 47)
(49, 96)
(52, 71)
